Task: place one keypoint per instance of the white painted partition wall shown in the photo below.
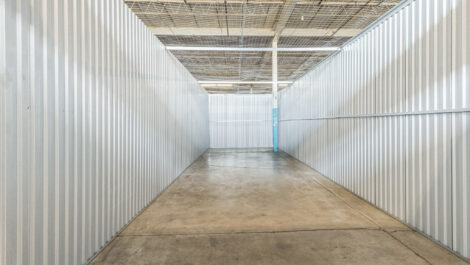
(388, 118)
(96, 119)
(240, 121)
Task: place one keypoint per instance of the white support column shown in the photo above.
(275, 87)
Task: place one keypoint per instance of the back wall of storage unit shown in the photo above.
(240, 121)
(388, 118)
(96, 119)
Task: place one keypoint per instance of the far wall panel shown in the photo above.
(240, 121)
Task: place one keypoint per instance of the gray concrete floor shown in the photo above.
(257, 207)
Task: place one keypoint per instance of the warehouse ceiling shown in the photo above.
(254, 23)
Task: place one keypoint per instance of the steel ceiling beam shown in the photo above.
(244, 82)
(256, 32)
(221, 2)
(239, 49)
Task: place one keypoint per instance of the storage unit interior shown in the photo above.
(144, 132)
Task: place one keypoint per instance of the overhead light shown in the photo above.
(216, 85)
(244, 82)
(239, 49)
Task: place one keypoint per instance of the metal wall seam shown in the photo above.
(460, 182)
(2, 134)
(83, 108)
(461, 128)
(389, 112)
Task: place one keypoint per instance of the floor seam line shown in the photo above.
(258, 232)
(345, 202)
(372, 221)
(240, 167)
(409, 248)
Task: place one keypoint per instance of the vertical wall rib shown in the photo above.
(461, 127)
(96, 119)
(2, 135)
(388, 118)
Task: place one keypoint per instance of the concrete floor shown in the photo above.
(257, 207)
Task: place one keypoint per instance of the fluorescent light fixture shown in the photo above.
(239, 49)
(217, 85)
(244, 82)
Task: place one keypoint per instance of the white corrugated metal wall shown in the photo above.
(388, 118)
(96, 119)
(240, 121)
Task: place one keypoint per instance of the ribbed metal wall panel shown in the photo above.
(461, 183)
(96, 119)
(386, 117)
(461, 126)
(2, 136)
(240, 121)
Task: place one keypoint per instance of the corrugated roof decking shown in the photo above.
(245, 23)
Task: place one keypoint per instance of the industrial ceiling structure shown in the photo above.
(243, 24)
